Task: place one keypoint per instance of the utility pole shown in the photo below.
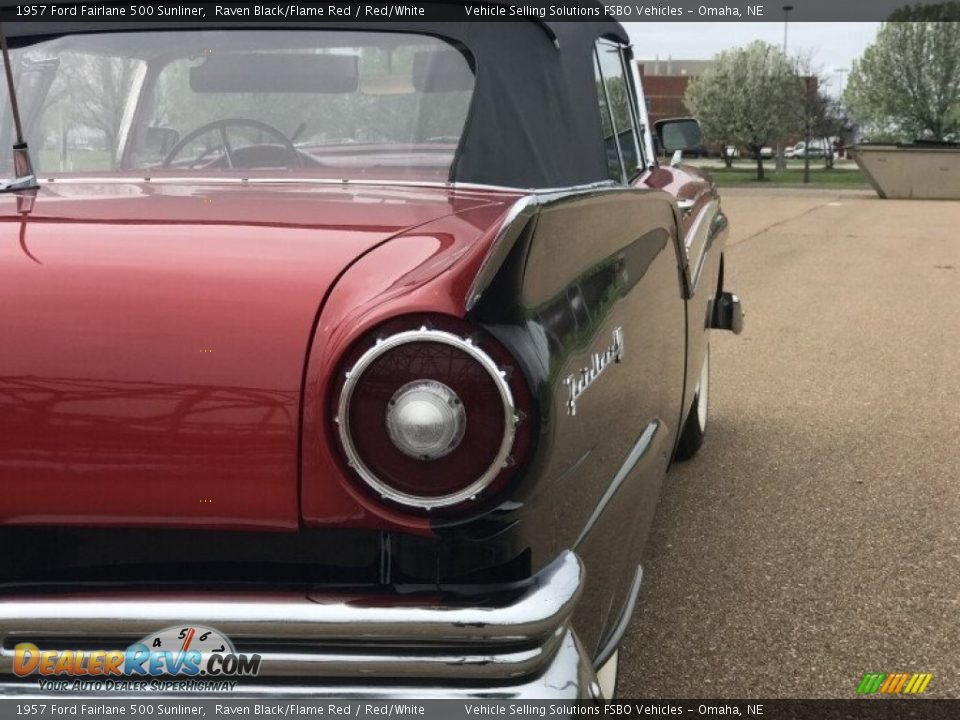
(781, 163)
(841, 72)
(786, 22)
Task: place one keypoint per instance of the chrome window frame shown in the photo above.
(639, 127)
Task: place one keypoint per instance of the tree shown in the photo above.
(747, 97)
(819, 116)
(832, 123)
(907, 84)
(97, 88)
(812, 105)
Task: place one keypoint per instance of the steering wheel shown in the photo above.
(228, 151)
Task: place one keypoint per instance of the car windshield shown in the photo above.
(328, 104)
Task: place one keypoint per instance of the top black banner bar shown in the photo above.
(569, 11)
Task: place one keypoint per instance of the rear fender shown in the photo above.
(426, 270)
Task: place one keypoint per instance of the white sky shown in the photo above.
(832, 45)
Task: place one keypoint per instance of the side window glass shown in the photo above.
(610, 145)
(617, 96)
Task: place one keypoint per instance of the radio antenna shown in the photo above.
(24, 178)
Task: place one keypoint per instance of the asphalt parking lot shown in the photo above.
(816, 537)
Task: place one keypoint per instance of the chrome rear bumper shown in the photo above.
(516, 640)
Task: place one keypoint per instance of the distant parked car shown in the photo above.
(731, 151)
(766, 153)
(816, 149)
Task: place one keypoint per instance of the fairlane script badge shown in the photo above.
(599, 362)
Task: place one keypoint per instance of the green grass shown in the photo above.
(819, 176)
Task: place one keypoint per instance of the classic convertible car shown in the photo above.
(340, 359)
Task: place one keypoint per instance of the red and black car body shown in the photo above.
(397, 432)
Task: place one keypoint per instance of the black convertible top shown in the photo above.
(534, 122)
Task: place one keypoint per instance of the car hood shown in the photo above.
(154, 340)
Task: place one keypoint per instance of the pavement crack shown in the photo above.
(790, 219)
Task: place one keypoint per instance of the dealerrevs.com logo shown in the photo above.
(175, 659)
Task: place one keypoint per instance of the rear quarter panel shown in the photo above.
(593, 263)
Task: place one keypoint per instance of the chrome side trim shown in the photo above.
(623, 622)
(465, 345)
(516, 220)
(699, 239)
(643, 444)
(513, 224)
(476, 633)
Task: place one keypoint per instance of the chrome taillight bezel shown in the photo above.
(424, 334)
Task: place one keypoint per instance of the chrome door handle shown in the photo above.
(686, 205)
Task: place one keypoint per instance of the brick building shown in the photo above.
(664, 84)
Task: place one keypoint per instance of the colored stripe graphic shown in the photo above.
(894, 683)
(871, 683)
(918, 683)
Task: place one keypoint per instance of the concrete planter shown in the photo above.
(919, 172)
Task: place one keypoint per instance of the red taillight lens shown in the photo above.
(430, 416)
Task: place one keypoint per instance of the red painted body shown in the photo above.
(156, 339)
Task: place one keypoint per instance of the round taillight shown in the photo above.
(427, 418)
